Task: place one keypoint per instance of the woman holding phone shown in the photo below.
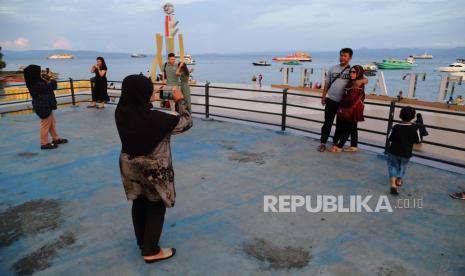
(145, 160)
(99, 88)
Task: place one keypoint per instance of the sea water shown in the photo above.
(238, 68)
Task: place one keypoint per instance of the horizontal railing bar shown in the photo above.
(244, 100)
(246, 89)
(246, 120)
(243, 109)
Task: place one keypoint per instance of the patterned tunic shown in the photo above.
(152, 175)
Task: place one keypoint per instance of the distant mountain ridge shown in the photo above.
(459, 52)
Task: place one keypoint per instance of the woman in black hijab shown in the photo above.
(43, 102)
(145, 160)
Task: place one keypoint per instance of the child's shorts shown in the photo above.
(396, 165)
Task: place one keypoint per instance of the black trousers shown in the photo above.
(331, 108)
(148, 218)
(347, 129)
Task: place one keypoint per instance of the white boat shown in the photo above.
(187, 59)
(458, 66)
(458, 74)
(60, 56)
(410, 60)
(424, 56)
(138, 55)
(370, 69)
(261, 63)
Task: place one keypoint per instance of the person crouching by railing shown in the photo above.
(350, 111)
(44, 102)
(145, 160)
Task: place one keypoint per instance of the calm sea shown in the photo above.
(238, 68)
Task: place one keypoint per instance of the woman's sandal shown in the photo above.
(399, 182)
(173, 252)
(394, 191)
(49, 146)
(350, 149)
(60, 141)
(322, 148)
(335, 149)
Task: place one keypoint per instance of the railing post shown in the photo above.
(392, 109)
(71, 88)
(207, 100)
(284, 110)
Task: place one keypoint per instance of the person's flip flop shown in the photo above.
(350, 149)
(458, 196)
(173, 252)
(321, 148)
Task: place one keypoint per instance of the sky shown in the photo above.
(238, 26)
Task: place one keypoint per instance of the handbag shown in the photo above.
(347, 113)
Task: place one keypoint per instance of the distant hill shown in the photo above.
(45, 53)
(458, 52)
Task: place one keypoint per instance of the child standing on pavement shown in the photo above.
(401, 138)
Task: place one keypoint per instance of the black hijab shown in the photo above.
(32, 75)
(140, 129)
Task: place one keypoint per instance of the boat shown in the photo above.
(187, 59)
(410, 60)
(458, 66)
(292, 63)
(261, 63)
(138, 55)
(458, 74)
(60, 56)
(370, 69)
(424, 56)
(394, 64)
(299, 56)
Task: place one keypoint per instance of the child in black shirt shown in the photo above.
(402, 138)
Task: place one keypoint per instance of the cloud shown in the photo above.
(19, 43)
(61, 43)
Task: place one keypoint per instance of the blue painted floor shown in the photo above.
(64, 212)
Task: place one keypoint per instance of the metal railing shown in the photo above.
(283, 115)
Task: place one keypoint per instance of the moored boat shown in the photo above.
(423, 56)
(458, 66)
(138, 55)
(370, 69)
(299, 56)
(292, 63)
(394, 64)
(261, 63)
(60, 56)
(188, 59)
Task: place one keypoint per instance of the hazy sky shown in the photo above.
(222, 26)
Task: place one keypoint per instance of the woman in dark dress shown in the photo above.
(99, 87)
(145, 161)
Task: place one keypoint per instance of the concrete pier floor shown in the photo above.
(64, 212)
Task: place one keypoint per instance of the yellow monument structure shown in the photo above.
(171, 30)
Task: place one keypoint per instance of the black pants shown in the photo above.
(148, 218)
(347, 129)
(330, 112)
